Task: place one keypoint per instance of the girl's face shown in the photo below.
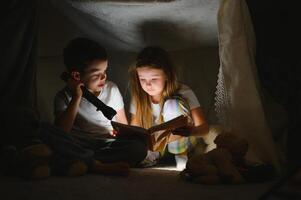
(152, 80)
(95, 76)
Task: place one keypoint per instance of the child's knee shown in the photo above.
(179, 146)
(173, 108)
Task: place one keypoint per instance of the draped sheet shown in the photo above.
(238, 100)
(131, 26)
(180, 25)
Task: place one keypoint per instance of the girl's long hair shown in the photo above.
(158, 58)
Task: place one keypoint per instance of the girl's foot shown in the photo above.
(150, 160)
(181, 160)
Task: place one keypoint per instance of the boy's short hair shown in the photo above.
(81, 52)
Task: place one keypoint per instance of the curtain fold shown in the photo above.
(238, 99)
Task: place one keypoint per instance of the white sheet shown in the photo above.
(239, 103)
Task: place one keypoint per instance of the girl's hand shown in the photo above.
(184, 131)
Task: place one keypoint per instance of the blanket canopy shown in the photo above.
(212, 43)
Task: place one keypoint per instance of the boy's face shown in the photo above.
(95, 76)
(152, 80)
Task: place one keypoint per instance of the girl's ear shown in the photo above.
(75, 75)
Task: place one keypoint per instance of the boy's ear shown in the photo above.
(75, 75)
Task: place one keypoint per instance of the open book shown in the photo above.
(156, 136)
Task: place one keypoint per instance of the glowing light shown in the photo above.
(167, 168)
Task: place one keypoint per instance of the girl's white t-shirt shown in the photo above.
(184, 90)
(87, 118)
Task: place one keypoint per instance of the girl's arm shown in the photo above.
(171, 138)
(200, 127)
(121, 116)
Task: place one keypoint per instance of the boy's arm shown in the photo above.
(121, 116)
(66, 119)
(117, 100)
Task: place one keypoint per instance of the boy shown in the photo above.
(86, 62)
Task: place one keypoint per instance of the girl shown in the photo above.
(157, 96)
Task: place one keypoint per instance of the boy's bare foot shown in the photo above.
(115, 169)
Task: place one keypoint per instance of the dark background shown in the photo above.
(276, 25)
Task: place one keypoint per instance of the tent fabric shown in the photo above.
(134, 25)
(131, 26)
(191, 59)
(238, 100)
(176, 25)
(18, 53)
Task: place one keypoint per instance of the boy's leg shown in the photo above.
(110, 150)
(130, 151)
(74, 154)
(63, 143)
(70, 148)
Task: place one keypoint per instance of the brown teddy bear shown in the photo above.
(22, 152)
(219, 165)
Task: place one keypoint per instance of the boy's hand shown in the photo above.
(75, 87)
(113, 133)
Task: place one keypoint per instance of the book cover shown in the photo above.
(156, 136)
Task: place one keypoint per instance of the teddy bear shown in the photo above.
(225, 164)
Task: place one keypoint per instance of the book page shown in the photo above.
(132, 132)
(156, 136)
(170, 125)
(128, 129)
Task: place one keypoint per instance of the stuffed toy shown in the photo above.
(225, 163)
(23, 153)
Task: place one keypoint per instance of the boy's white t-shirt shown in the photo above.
(87, 118)
(184, 90)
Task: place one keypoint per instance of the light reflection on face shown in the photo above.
(95, 76)
(152, 80)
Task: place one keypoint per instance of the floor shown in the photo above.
(149, 183)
